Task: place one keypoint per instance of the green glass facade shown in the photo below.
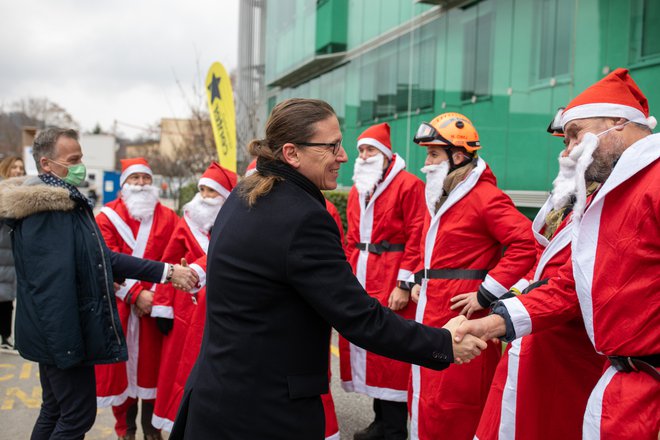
(506, 64)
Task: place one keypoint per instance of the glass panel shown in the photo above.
(650, 29)
(424, 70)
(386, 81)
(547, 21)
(477, 53)
(563, 37)
(404, 65)
(367, 109)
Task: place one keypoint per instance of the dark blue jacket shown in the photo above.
(66, 313)
(277, 281)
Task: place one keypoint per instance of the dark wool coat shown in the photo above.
(277, 281)
(66, 313)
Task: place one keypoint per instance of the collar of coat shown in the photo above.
(21, 197)
(283, 170)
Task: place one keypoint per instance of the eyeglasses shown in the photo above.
(335, 147)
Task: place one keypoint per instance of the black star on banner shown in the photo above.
(214, 88)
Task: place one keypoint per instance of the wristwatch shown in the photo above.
(404, 285)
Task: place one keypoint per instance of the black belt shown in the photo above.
(379, 248)
(629, 364)
(450, 274)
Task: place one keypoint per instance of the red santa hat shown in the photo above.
(218, 179)
(132, 166)
(378, 136)
(251, 168)
(616, 95)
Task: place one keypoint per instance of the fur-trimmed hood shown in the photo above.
(21, 197)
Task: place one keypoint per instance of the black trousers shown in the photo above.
(6, 309)
(68, 410)
(394, 418)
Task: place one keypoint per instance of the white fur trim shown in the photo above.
(104, 402)
(137, 168)
(359, 375)
(494, 287)
(404, 275)
(334, 436)
(522, 323)
(201, 237)
(539, 222)
(594, 410)
(201, 273)
(376, 144)
(521, 285)
(162, 423)
(162, 312)
(558, 242)
(367, 217)
(214, 186)
(603, 110)
(507, 430)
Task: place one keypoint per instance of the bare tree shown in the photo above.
(46, 112)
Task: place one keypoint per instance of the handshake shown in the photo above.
(469, 337)
(182, 276)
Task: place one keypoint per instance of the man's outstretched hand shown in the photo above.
(490, 327)
(468, 347)
(183, 277)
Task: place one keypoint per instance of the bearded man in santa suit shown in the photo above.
(475, 246)
(385, 217)
(612, 277)
(535, 384)
(178, 313)
(136, 224)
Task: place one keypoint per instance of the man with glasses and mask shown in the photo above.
(612, 277)
(475, 246)
(66, 315)
(385, 218)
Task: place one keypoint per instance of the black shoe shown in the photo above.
(6, 344)
(374, 431)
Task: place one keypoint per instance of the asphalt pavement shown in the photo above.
(20, 398)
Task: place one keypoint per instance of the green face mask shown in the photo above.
(75, 173)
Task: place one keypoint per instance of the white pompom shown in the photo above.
(651, 122)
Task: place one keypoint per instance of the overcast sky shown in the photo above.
(113, 60)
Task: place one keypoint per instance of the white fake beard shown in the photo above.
(203, 211)
(367, 172)
(435, 180)
(583, 154)
(140, 200)
(563, 187)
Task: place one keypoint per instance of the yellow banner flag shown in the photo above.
(223, 117)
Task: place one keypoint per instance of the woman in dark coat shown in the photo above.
(11, 166)
(277, 282)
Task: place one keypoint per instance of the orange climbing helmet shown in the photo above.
(449, 130)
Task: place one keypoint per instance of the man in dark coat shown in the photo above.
(66, 315)
(277, 281)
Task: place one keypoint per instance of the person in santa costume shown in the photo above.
(612, 276)
(535, 384)
(177, 313)
(385, 218)
(475, 246)
(136, 224)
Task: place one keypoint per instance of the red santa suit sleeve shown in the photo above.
(199, 266)
(412, 201)
(510, 228)
(164, 293)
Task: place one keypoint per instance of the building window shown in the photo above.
(388, 80)
(477, 52)
(646, 33)
(555, 35)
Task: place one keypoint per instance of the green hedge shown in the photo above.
(339, 198)
(186, 194)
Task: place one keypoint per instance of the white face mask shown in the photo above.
(367, 172)
(583, 155)
(435, 180)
